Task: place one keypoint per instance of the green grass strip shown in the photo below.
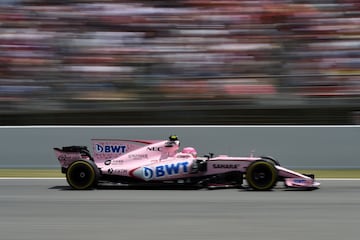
(338, 173)
(29, 173)
(46, 173)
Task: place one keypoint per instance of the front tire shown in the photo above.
(261, 175)
(82, 175)
(272, 160)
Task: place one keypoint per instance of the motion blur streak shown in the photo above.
(42, 210)
(105, 55)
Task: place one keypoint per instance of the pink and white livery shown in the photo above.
(162, 162)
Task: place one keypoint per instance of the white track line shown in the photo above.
(176, 126)
(31, 178)
(337, 179)
(63, 178)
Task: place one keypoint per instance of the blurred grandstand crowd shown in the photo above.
(52, 52)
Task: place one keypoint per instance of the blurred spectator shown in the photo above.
(57, 51)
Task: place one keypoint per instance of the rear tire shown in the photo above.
(261, 175)
(82, 175)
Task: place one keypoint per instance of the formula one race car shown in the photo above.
(150, 162)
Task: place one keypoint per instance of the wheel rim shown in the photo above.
(81, 176)
(262, 175)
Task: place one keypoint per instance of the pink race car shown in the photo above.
(154, 162)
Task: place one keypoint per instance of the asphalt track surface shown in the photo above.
(47, 209)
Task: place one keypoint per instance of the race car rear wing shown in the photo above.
(69, 154)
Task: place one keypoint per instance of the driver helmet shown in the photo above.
(173, 138)
(190, 150)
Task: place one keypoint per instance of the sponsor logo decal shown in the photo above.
(299, 181)
(138, 156)
(113, 162)
(110, 148)
(148, 173)
(62, 158)
(117, 171)
(117, 162)
(158, 149)
(68, 156)
(165, 170)
(182, 156)
(121, 171)
(229, 166)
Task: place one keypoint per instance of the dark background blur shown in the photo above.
(179, 62)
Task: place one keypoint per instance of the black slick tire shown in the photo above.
(261, 175)
(82, 175)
